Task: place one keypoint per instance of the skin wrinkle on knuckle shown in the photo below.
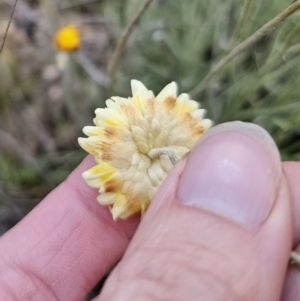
(142, 289)
(65, 245)
(30, 285)
(81, 194)
(6, 290)
(173, 266)
(35, 270)
(7, 294)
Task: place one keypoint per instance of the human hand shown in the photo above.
(220, 228)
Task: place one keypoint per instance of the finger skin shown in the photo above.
(64, 246)
(291, 291)
(185, 253)
(292, 173)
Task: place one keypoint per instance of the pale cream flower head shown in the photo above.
(135, 141)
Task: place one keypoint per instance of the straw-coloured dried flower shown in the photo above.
(135, 142)
(67, 39)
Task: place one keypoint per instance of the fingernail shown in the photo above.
(233, 171)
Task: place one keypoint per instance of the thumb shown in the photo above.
(219, 228)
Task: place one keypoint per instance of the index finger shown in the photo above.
(62, 248)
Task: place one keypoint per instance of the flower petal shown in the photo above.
(138, 88)
(84, 144)
(106, 198)
(168, 90)
(92, 131)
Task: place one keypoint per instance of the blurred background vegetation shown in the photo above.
(43, 106)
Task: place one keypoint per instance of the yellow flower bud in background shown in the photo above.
(67, 39)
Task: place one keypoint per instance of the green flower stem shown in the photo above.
(242, 21)
(275, 59)
(68, 84)
(8, 25)
(118, 53)
(264, 30)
